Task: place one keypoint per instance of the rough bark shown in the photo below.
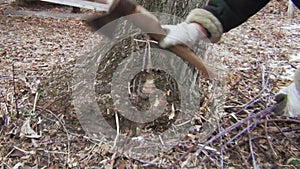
(179, 8)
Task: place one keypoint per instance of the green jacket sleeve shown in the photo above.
(232, 13)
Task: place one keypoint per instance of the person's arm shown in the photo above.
(217, 17)
(220, 16)
(232, 13)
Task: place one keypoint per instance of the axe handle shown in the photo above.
(186, 54)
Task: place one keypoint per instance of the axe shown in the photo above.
(147, 23)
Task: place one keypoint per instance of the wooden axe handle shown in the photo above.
(147, 23)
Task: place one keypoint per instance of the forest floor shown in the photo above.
(40, 129)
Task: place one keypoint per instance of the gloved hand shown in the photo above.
(288, 99)
(184, 33)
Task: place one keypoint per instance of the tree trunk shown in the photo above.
(129, 55)
(180, 8)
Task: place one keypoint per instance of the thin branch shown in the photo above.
(281, 131)
(222, 148)
(15, 89)
(243, 131)
(234, 126)
(118, 129)
(35, 101)
(269, 141)
(146, 163)
(222, 133)
(64, 128)
(250, 145)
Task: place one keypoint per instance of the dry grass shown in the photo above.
(39, 128)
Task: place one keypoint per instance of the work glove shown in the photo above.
(288, 98)
(187, 34)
